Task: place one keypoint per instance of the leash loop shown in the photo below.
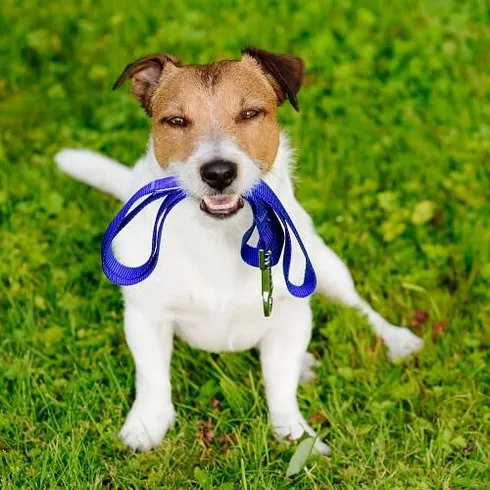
(124, 275)
(274, 228)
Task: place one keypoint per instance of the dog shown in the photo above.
(215, 128)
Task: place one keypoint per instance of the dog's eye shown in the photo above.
(177, 121)
(249, 114)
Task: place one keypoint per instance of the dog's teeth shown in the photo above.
(222, 206)
(221, 203)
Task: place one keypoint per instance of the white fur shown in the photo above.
(96, 170)
(204, 293)
(189, 173)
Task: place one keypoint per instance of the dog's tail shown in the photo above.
(96, 170)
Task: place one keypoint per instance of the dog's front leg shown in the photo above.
(335, 282)
(282, 353)
(152, 413)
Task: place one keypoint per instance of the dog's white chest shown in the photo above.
(216, 303)
(201, 283)
(220, 329)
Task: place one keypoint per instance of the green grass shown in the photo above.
(395, 113)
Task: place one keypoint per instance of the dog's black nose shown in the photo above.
(219, 173)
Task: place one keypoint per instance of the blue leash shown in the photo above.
(273, 223)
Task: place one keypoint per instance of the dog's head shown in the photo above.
(215, 126)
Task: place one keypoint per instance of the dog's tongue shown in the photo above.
(221, 203)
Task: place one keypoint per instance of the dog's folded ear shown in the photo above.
(145, 74)
(283, 70)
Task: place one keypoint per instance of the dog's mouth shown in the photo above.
(222, 206)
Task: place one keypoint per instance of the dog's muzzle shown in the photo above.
(220, 174)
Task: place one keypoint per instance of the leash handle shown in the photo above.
(124, 275)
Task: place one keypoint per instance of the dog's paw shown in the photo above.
(292, 427)
(401, 342)
(308, 364)
(145, 427)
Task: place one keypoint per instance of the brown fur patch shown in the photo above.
(284, 71)
(212, 98)
(145, 74)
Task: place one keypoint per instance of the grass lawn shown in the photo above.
(394, 167)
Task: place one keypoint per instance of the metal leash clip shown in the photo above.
(267, 286)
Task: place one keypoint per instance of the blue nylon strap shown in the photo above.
(268, 212)
(124, 275)
(272, 222)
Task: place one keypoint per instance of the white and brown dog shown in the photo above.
(215, 129)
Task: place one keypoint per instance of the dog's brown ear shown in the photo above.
(285, 72)
(145, 74)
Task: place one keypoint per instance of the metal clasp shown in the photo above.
(265, 265)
